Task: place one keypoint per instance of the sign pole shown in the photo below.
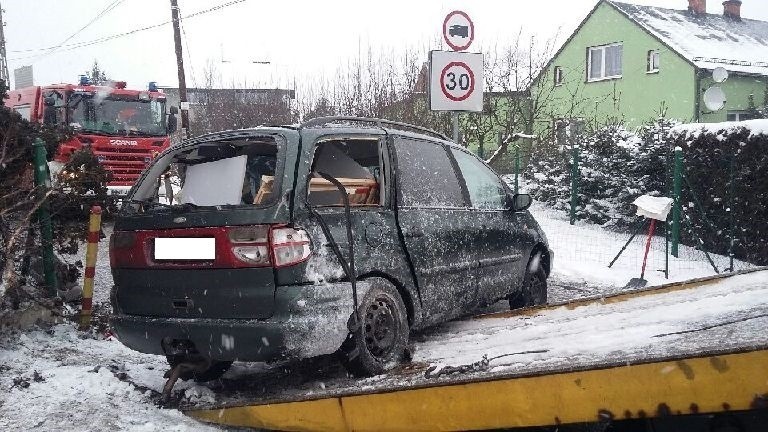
(455, 121)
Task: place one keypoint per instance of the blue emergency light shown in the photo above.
(84, 81)
(152, 86)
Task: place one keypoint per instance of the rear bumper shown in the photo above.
(309, 320)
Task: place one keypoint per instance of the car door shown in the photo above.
(498, 236)
(435, 225)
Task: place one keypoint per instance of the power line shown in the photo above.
(189, 53)
(128, 33)
(104, 11)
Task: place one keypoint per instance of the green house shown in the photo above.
(629, 63)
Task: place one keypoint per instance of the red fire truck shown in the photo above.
(125, 128)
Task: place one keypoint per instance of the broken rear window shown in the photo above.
(222, 173)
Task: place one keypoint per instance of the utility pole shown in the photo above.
(184, 105)
(3, 59)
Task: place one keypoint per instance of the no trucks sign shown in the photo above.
(455, 81)
(458, 30)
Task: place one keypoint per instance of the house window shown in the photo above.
(740, 116)
(653, 61)
(605, 62)
(558, 75)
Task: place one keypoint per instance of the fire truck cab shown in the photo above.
(125, 128)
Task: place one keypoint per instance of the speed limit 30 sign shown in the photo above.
(455, 81)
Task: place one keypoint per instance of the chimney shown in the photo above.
(732, 9)
(697, 7)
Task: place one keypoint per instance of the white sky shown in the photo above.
(300, 38)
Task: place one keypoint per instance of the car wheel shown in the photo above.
(534, 290)
(214, 371)
(380, 341)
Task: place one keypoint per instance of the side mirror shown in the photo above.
(521, 202)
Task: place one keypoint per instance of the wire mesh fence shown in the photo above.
(590, 218)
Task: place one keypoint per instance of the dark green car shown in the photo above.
(339, 235)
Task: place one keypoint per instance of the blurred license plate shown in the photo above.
(184, 248)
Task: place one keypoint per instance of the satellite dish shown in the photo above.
(714, 98)
(720, 75)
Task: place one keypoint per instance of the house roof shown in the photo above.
(708, 40)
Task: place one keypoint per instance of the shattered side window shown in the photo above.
(353, 163)
(426, 177)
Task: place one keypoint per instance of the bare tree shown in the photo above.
(238, 104)
(394, 86)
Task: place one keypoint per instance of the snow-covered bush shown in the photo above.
(615, 167)
(715, 154)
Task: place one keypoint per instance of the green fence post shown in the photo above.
(676, 205)
(731, 203)
(42, 178)
(574, 182)
(517, 168)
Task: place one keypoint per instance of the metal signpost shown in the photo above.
(456, 77)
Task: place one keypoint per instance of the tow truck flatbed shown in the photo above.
(696, 347)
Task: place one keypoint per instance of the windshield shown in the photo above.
(114, 115)
(232, 173)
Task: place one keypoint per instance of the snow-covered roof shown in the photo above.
(707, 40)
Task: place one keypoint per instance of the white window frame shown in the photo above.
(739, 114)
(654, 61)
(602, 76)
(558, 75)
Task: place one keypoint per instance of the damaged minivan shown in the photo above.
(341, 235)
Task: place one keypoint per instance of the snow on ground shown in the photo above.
(60, 379)
(594, 333)
(583, 251)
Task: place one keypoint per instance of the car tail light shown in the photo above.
(236, 247)
(250, 244)
(123, 251)
(289, 246)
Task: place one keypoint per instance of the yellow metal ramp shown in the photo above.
(708, 361)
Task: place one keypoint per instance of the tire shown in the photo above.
(380, 342)
(215, 371)
(534, 289)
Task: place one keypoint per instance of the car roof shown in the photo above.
(341, 124)
(390, 126)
